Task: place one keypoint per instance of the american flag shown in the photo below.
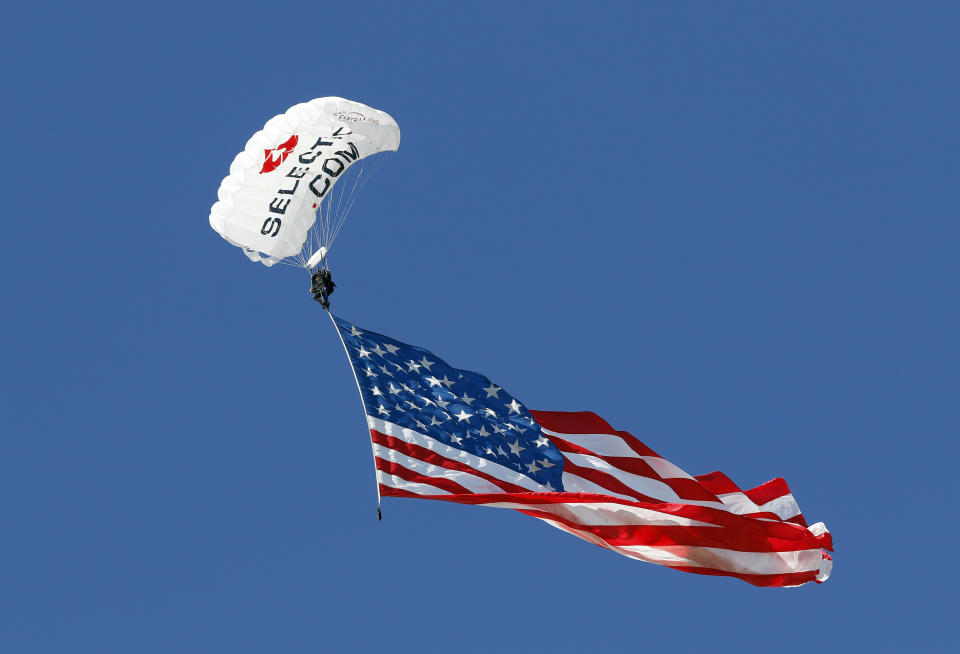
(442, 433)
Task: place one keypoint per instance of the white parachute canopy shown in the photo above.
(290, 190)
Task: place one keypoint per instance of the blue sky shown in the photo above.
(729, 228)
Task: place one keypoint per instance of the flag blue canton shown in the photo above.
(413, 388)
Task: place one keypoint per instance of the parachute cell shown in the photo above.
(290, 190)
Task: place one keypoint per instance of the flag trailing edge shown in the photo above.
(441, 433)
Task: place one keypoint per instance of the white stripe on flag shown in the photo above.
(751, 563)
(402, 484)
(600, 444)
(665, 469)
(785, 506)
(738, 503)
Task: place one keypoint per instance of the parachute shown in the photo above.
(290, 191)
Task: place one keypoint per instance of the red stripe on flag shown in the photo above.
(572, 422)
(393, 468)
(766, 581)
(798, 520)
(771, 490)
(390, 491)
(718, 483)
(606, 481)
(673, 535)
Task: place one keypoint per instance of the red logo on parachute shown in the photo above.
(273, 158)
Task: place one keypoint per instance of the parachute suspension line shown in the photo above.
(328, 218)
(376, 473)
(321, 225)
(320, 233)
(314, 242)
(336, 211)
(297, 260)
(332, 212)
(337, 218)
(321, 228)
(365, 173)
(357, 185)
(289, 263)
(344, 220)
(335, 207)
(312, 238)
(325, 222)
(341, 217)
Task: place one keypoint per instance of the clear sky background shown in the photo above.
(729, 228)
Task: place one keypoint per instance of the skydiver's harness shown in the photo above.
(321, 286)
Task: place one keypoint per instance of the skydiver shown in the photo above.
(321, 285)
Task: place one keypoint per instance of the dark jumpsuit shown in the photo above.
(321, 285)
